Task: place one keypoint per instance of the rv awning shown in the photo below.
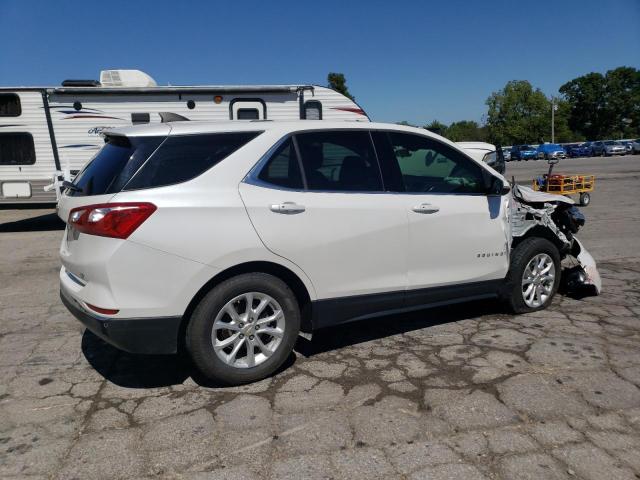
(226, 89)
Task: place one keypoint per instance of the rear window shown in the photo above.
(114, 165)
(17, 149)
(10, 105)
(182, 158)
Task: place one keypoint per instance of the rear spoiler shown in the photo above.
(172, 117)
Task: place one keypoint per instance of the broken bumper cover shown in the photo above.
(133, 335)
(584, 278)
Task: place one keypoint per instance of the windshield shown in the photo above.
(526, 147)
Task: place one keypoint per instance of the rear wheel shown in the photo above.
(533, 276)
(585, 199)
(244, 329)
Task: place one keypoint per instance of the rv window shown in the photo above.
(140, 118)
(248, 114)
(283, 168)
(312, 110)
(10, 105)
(17, 149)
(182, 158)
(339, 161)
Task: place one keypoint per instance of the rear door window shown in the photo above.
(339, 161)
(182, 158)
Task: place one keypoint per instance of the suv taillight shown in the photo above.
(116, 220)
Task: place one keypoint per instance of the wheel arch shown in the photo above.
(283, 273)
(541, 231)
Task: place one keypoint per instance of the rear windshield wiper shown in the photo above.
(70, 186)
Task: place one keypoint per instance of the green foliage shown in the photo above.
(466, 131)
(602, 106)
(437, 127)
(338, 82)
(518, 114)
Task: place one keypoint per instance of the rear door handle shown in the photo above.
(426, 208)
(288, 208)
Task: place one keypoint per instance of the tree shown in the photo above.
(437, 127)
(518, 114)
(602, 106)
(588, 112)
(338, 83)
(623, 101)
(465, 130)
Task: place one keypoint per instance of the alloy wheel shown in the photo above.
(538, 280)
(248, 330)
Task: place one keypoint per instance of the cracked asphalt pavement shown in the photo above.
(452, 393)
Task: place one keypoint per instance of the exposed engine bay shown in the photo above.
(557, 218)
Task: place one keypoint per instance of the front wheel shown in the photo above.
(533, 276)
(244, 329)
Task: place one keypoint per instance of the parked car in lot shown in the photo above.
(597, 148)
(628, 145)
(523, 152)
(230, 238)
(576, 150)
(635, 145)
(507, 154)
(550, 150)
(612, 147)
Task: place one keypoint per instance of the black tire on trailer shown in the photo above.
(585, 199)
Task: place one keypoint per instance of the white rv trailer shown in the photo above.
(47, 133)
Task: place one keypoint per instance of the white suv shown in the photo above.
(231, 238)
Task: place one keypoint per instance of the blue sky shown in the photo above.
(414, 61)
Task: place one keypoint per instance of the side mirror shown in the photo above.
(494, 186)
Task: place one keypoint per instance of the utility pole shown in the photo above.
(553, 119)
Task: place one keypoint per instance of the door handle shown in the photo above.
(288, 208)
(426, 208)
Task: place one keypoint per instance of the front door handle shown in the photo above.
(426, 208)
(288, 208)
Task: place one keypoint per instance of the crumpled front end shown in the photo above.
(530, 211)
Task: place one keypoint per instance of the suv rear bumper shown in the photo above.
(134, 335)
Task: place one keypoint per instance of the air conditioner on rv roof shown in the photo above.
(126, 78)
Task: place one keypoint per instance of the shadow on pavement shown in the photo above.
(131, 370)
(42, 223)
(153, 371)
(333, 338)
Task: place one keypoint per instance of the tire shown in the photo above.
(215, 305)
(585, 199)
(521, 257)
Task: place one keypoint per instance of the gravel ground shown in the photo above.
(456, 393)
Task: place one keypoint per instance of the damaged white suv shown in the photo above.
(231, 238)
